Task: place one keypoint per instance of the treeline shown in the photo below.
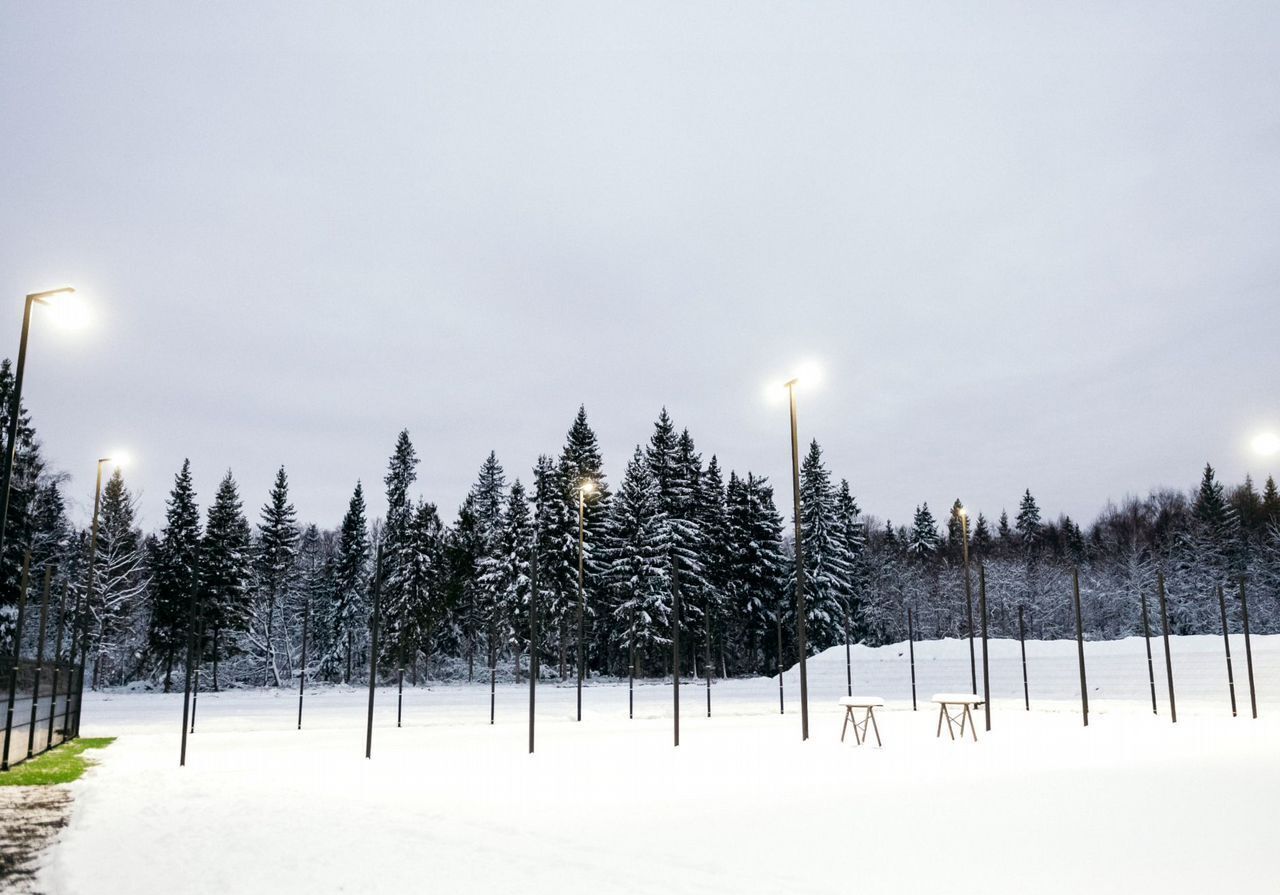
(455, 597)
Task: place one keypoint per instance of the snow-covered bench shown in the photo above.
(868, 705)
(955, 708)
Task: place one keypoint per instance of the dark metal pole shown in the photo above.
(1248, 649)
(15, 409)
(195, 687)
(1022, 642)
(782, 709)
(968, 601)
(400, 682)
(302, 665)
(1146, 633)
(1168, 659)
(493, 675)
(67, 727)
(986, 666)
(373, 648)
(675, 647)
(533, 633)
(1226, 642)
(801, 635)
(911, 651)
(191, 649)
(582, 598)
(17, 655)
(707, 659)
(57, 662)
(1084, 687)
(35, 685)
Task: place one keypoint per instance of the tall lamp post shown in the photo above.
(968, 598)
(801, 636)
(35, 298)
(584, 488)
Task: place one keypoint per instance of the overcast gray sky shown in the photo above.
(1032, 245)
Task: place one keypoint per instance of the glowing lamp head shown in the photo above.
(587, 487)
(963, 512)
(66, 309)
(1267, 444)
(119, 459)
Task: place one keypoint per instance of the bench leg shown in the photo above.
(845, 727)
(871, 714)
(972, 728)
(941, 710)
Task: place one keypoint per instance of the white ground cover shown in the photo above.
(448, 803)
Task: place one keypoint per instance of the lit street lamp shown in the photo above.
(93, 555)
(16, 404)
(584, 488)
(800, 610)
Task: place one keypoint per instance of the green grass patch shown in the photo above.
(61, 764)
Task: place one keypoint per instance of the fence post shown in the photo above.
(302, 665)
(986, 667)
(17, 654)
(1226, 642)
(911, 651)
(533, 631)
(191, 649)
(1146, 633)
(35, 684)
(57, 662)
(68, 726)
(373, 649)
(1084, 687)
(1168, 659)
(1022, 643)
(1248, 649)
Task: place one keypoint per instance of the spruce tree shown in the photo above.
(226, 577)
(487, 504)
(1028, 523)
(1271, 503)
(175, 564)
(28, 467)
(924, 542)
(346, 621)
(854, 543)
(399, 547)
(121, 578)
(277, 550)
(580, 462)
(827, 569)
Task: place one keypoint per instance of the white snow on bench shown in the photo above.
(860, 702)
(957, 697)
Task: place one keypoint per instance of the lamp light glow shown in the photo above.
(1266, 443)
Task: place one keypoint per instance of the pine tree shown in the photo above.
(28, 467)
(1028, 523)
(713, 523)
(924, 542)
(277, 550)
(981, 543)
(346, 621)
(581, 462)
(854, 543)
(176, 560)
(557, 558)
(226, 577)
(505, 572)
(486, 502)
(400, 552)
(1271, 503)
(758, 571)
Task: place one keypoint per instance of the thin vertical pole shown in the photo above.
(533, 632)
(493, 675)
(1248, 649)
(1146, 633)
(707, 661)
(1084, 687)
(801, 634)
(986, 666)
(57, 661)
(67, 727)
(911, 650)
(968, 601)
(848, 652)
(17, 654)
(35, 686)
(186, 687)
(302, 665)
(1168, 658)
(675, 647)
(373, 648)
(782, 709)
(1022, 642)
(1226, 642)
(400, 681)
(582, 598)
(195, 687)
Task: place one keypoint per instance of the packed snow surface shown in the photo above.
(449, 803)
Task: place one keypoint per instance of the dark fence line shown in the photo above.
(45, 711)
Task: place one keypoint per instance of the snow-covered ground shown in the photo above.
(449, 803)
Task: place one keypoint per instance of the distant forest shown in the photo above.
(455, 597)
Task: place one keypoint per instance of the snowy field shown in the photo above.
(449, 803)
